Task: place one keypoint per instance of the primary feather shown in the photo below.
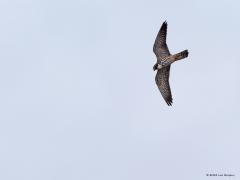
(164, 60)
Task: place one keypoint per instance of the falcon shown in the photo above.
(163, 64)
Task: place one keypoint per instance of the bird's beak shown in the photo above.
(155, 67)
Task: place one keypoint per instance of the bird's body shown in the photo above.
(164, 61)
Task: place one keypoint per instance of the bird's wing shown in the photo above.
(160, 47)
(162, 81)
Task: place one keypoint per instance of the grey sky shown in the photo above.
(79, 101)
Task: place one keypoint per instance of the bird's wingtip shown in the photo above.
(169, 102)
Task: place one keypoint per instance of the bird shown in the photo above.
(163, 64)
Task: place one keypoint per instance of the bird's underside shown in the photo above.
(164, 61)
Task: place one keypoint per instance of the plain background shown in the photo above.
(78, 98)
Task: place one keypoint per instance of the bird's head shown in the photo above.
(157, 66)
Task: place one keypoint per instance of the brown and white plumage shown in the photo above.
(162, 81)
(164, 61)
(160, 47)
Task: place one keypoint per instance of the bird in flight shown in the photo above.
(163, 64)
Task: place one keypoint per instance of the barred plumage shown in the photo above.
(164, 61)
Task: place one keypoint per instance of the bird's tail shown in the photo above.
(180, 55)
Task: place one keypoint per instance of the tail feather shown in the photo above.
(172, 58)
(180, 55)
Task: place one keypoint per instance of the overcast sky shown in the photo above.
(79, 102)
